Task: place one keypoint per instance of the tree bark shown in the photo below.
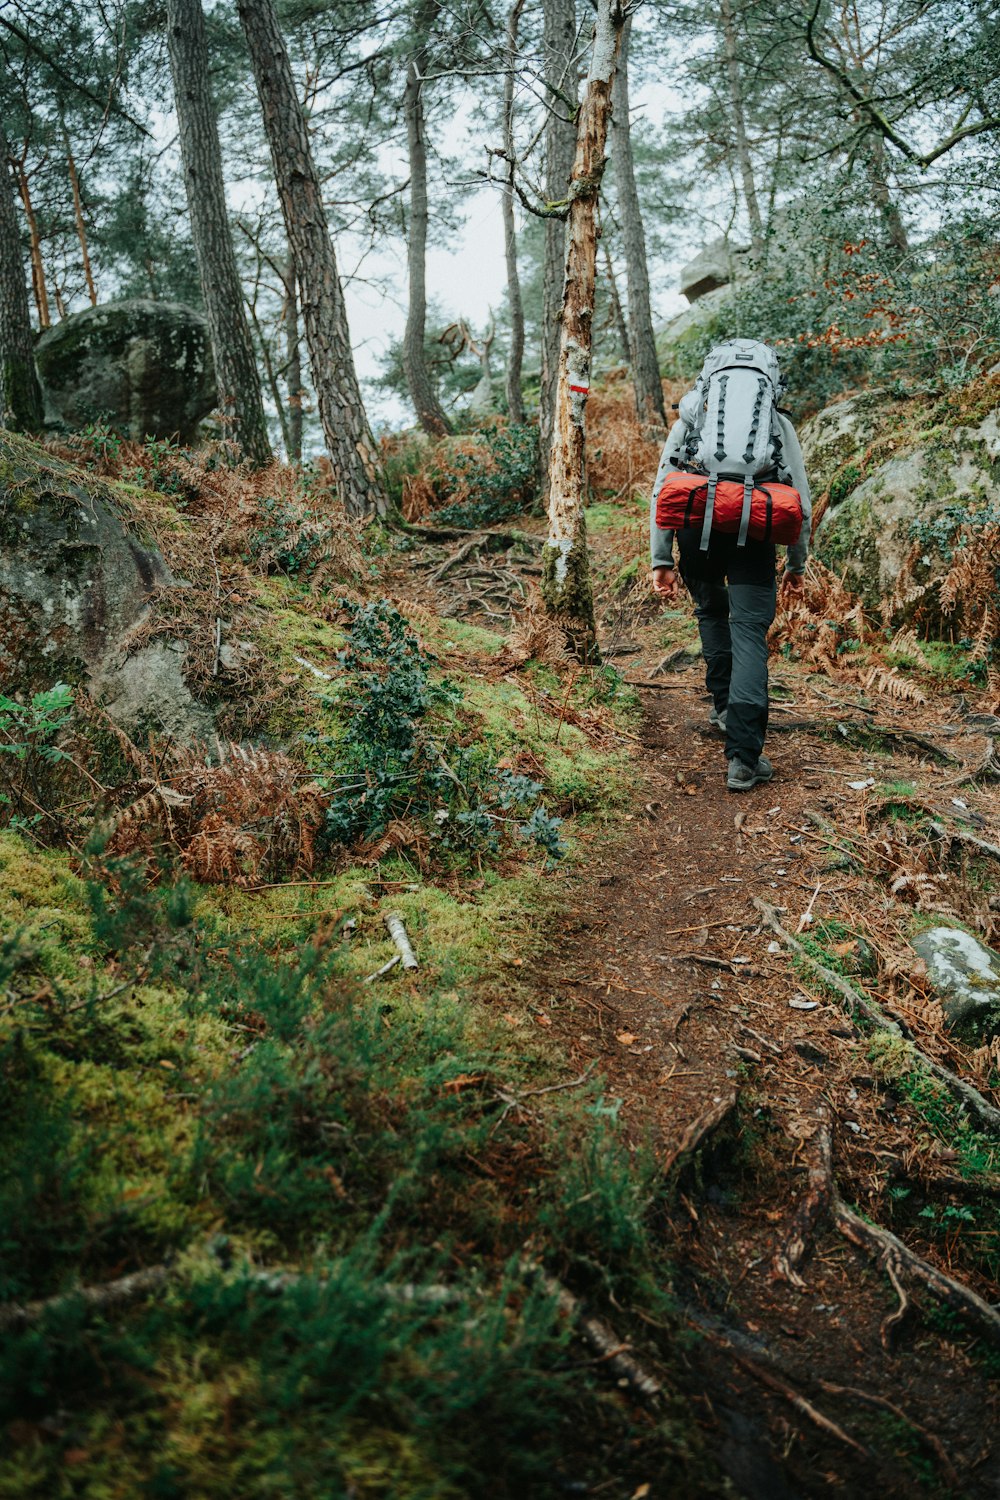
(559, 44)
(430, 413)
(641, 339)
(356, 463)
(241, 407)
(35, 240)
(743, 158)
(81, 228)
(892, 222)
(566, 587)
(293, 363)
(515, 356)
(20, 393)
(617, 311)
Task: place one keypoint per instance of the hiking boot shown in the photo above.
(741, 778)
(717, 719)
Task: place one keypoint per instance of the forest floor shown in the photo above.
(819, 1365)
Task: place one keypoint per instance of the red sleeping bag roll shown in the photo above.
(775, 509)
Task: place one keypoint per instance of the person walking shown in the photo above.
(731, 577)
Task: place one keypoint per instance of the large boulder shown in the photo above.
(965, 975)
(77, 582)
(889, 488)
(715, 266)
(142, 368)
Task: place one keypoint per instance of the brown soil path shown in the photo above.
(666, 980)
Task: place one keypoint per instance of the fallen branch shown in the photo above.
(397, 932)
(959, 836)
(370, 978)
(986, 1115)
(649, 682)
(698, 1131)
(600, 1337)
(101, 1298)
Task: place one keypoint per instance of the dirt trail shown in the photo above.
(666, 978)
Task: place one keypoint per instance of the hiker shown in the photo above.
(731, 485)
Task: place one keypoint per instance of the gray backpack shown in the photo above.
(731, 422)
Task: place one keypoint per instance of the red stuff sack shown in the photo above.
(775, 509)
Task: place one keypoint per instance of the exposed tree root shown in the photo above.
(868, 1398)
(898, 1259)
(959, 836)
(986, 1115)
(864, 733)
(736, 1345)
(698, 1131)
(460, 533)
(899, 1262)
(813, 1205)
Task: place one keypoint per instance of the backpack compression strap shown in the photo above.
(706, 530)
(741, 540)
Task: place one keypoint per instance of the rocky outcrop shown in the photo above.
(142, 368)
(77, 581)
(965, 975)
(891, 485)
(716, 265)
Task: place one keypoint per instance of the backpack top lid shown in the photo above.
(743, 354)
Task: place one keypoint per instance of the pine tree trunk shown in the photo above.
(559, 43)
(355, 458)
(566, 587)
(35, 240)
(293, 363)
(515, 356)
(875, 166)
(430, 413)
(641, 339)
(20, 394)
(617, 311)
(740, 130)
(241, 407)
(81, 228)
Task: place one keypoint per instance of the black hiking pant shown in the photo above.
(735, 593)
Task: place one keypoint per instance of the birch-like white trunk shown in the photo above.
(566, 586)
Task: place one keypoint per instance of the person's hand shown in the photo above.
(793, 583)
(665, 582)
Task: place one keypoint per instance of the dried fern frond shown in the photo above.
(535, 636)
(886, 680)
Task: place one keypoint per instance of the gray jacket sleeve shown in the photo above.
(795, 470)
(661, 543)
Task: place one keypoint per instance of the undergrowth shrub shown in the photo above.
(399, 774)
(466, 481)
(31, 757)
(345, 1194)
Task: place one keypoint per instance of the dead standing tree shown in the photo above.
(559, 43)
(357, 468)
(566, 587)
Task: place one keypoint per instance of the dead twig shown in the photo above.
(101, 1298)
(600, 1337)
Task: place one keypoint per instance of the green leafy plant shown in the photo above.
(29, 753)
(391, 760)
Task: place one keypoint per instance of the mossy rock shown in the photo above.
(142, 368)
(76, 583)
(922, 496)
